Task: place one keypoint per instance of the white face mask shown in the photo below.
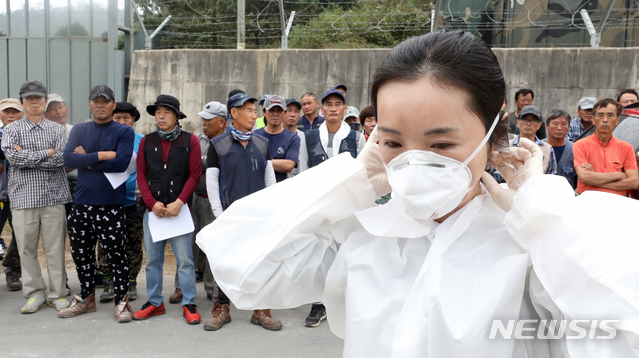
(430, 185)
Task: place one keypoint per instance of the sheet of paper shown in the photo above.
(117, 179)
(166, 228)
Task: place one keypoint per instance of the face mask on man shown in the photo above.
(430, 185)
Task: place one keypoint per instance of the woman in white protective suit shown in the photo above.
(451, 264)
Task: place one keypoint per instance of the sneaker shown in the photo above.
(176, 297)
(191, 314)
(266, 320)
(221, 316)
(317, 315)
(2, 251)
(59, 303)
(148, 310)
(123, 311)
(107, 294)
(34, 304)
(79, 306)
(13, 282)
(133, 290)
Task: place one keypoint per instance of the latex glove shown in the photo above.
(375, 168)
(516, 167)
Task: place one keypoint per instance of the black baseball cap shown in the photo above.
(333, 92)
(33, 88)
(293, 101)
(101, 91)
(128, 108)
(166, 100)
(530, 110)
(340, 86)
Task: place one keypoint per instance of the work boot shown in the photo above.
(123, 311)
(133, 290)
(13, 282)
(176, 297)
(107, 294)
(79, 306)
(221, 316)
(266, 320)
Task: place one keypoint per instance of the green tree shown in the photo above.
(76, 29)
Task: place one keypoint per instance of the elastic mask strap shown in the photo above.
(481, 145)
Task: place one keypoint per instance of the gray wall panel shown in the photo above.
(99, 63)
(60, 71)
(4, 70)
(17, 66)
(80, 80)
(36, 61)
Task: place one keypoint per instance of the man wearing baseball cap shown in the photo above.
(529, 122)
(261, 121)
(283, 144)
(292, 118)
(214, 122)
(333, 137)
(342, 88)
(238, 164)
(10, 111)
(127, 114)
(584, 118)
(38, 190)
(95, 148)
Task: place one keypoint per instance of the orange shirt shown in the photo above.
(616, 156)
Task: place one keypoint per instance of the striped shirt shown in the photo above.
(35, 179)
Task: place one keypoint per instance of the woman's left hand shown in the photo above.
(173, 209)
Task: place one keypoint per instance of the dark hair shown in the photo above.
(308, 94)
(629, 90)
(525, 92)
(556, 113)
(366, 112)
(234, 92)
(604, 103)
(457, 59)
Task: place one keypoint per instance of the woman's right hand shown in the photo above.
(516, 167)
(159, 209)
(375, 168)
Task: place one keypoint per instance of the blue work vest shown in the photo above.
(241, 168)
(317, 154)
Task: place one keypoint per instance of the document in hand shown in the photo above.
(166, 228)
(117, 179)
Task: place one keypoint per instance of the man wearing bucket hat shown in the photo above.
(169, 169)
(238, 164)
(96, 148)
(127, 114)
(214, 121)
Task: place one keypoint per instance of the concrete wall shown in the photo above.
(558, 76)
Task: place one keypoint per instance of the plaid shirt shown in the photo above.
(552, 161)
(575, 128)
(35, 179)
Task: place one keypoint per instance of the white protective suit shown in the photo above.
(396, 287)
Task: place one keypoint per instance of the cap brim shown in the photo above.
(2, 108)
(150, 109)
(295, 103)
(108, 98)
(33, 93)
(50, 102)
(588, 106)
(206, 115)
(242, 102)
(276, 105)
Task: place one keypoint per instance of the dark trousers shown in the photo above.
(11, 260)
(89, 223)
(134, 244)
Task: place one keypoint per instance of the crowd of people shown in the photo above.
(110, 188)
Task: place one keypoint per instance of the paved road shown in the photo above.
(43, 334)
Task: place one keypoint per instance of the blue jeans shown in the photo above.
(183, 249)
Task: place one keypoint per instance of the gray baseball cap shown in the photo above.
(530, 110)
(351, 112)
(273, 101)
(33, 88)
(212, 110)
(53, 98)
(587, 102)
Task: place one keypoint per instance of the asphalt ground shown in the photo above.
(97, 334)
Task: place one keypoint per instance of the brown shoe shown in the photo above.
(123, 312)
(221, 316)
(79, 306)
(176, 297)
(266, 320)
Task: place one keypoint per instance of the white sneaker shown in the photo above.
(2, 251)
(59, 303)
(34, 304)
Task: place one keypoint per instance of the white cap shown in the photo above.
(351, 112)
(53, 98)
